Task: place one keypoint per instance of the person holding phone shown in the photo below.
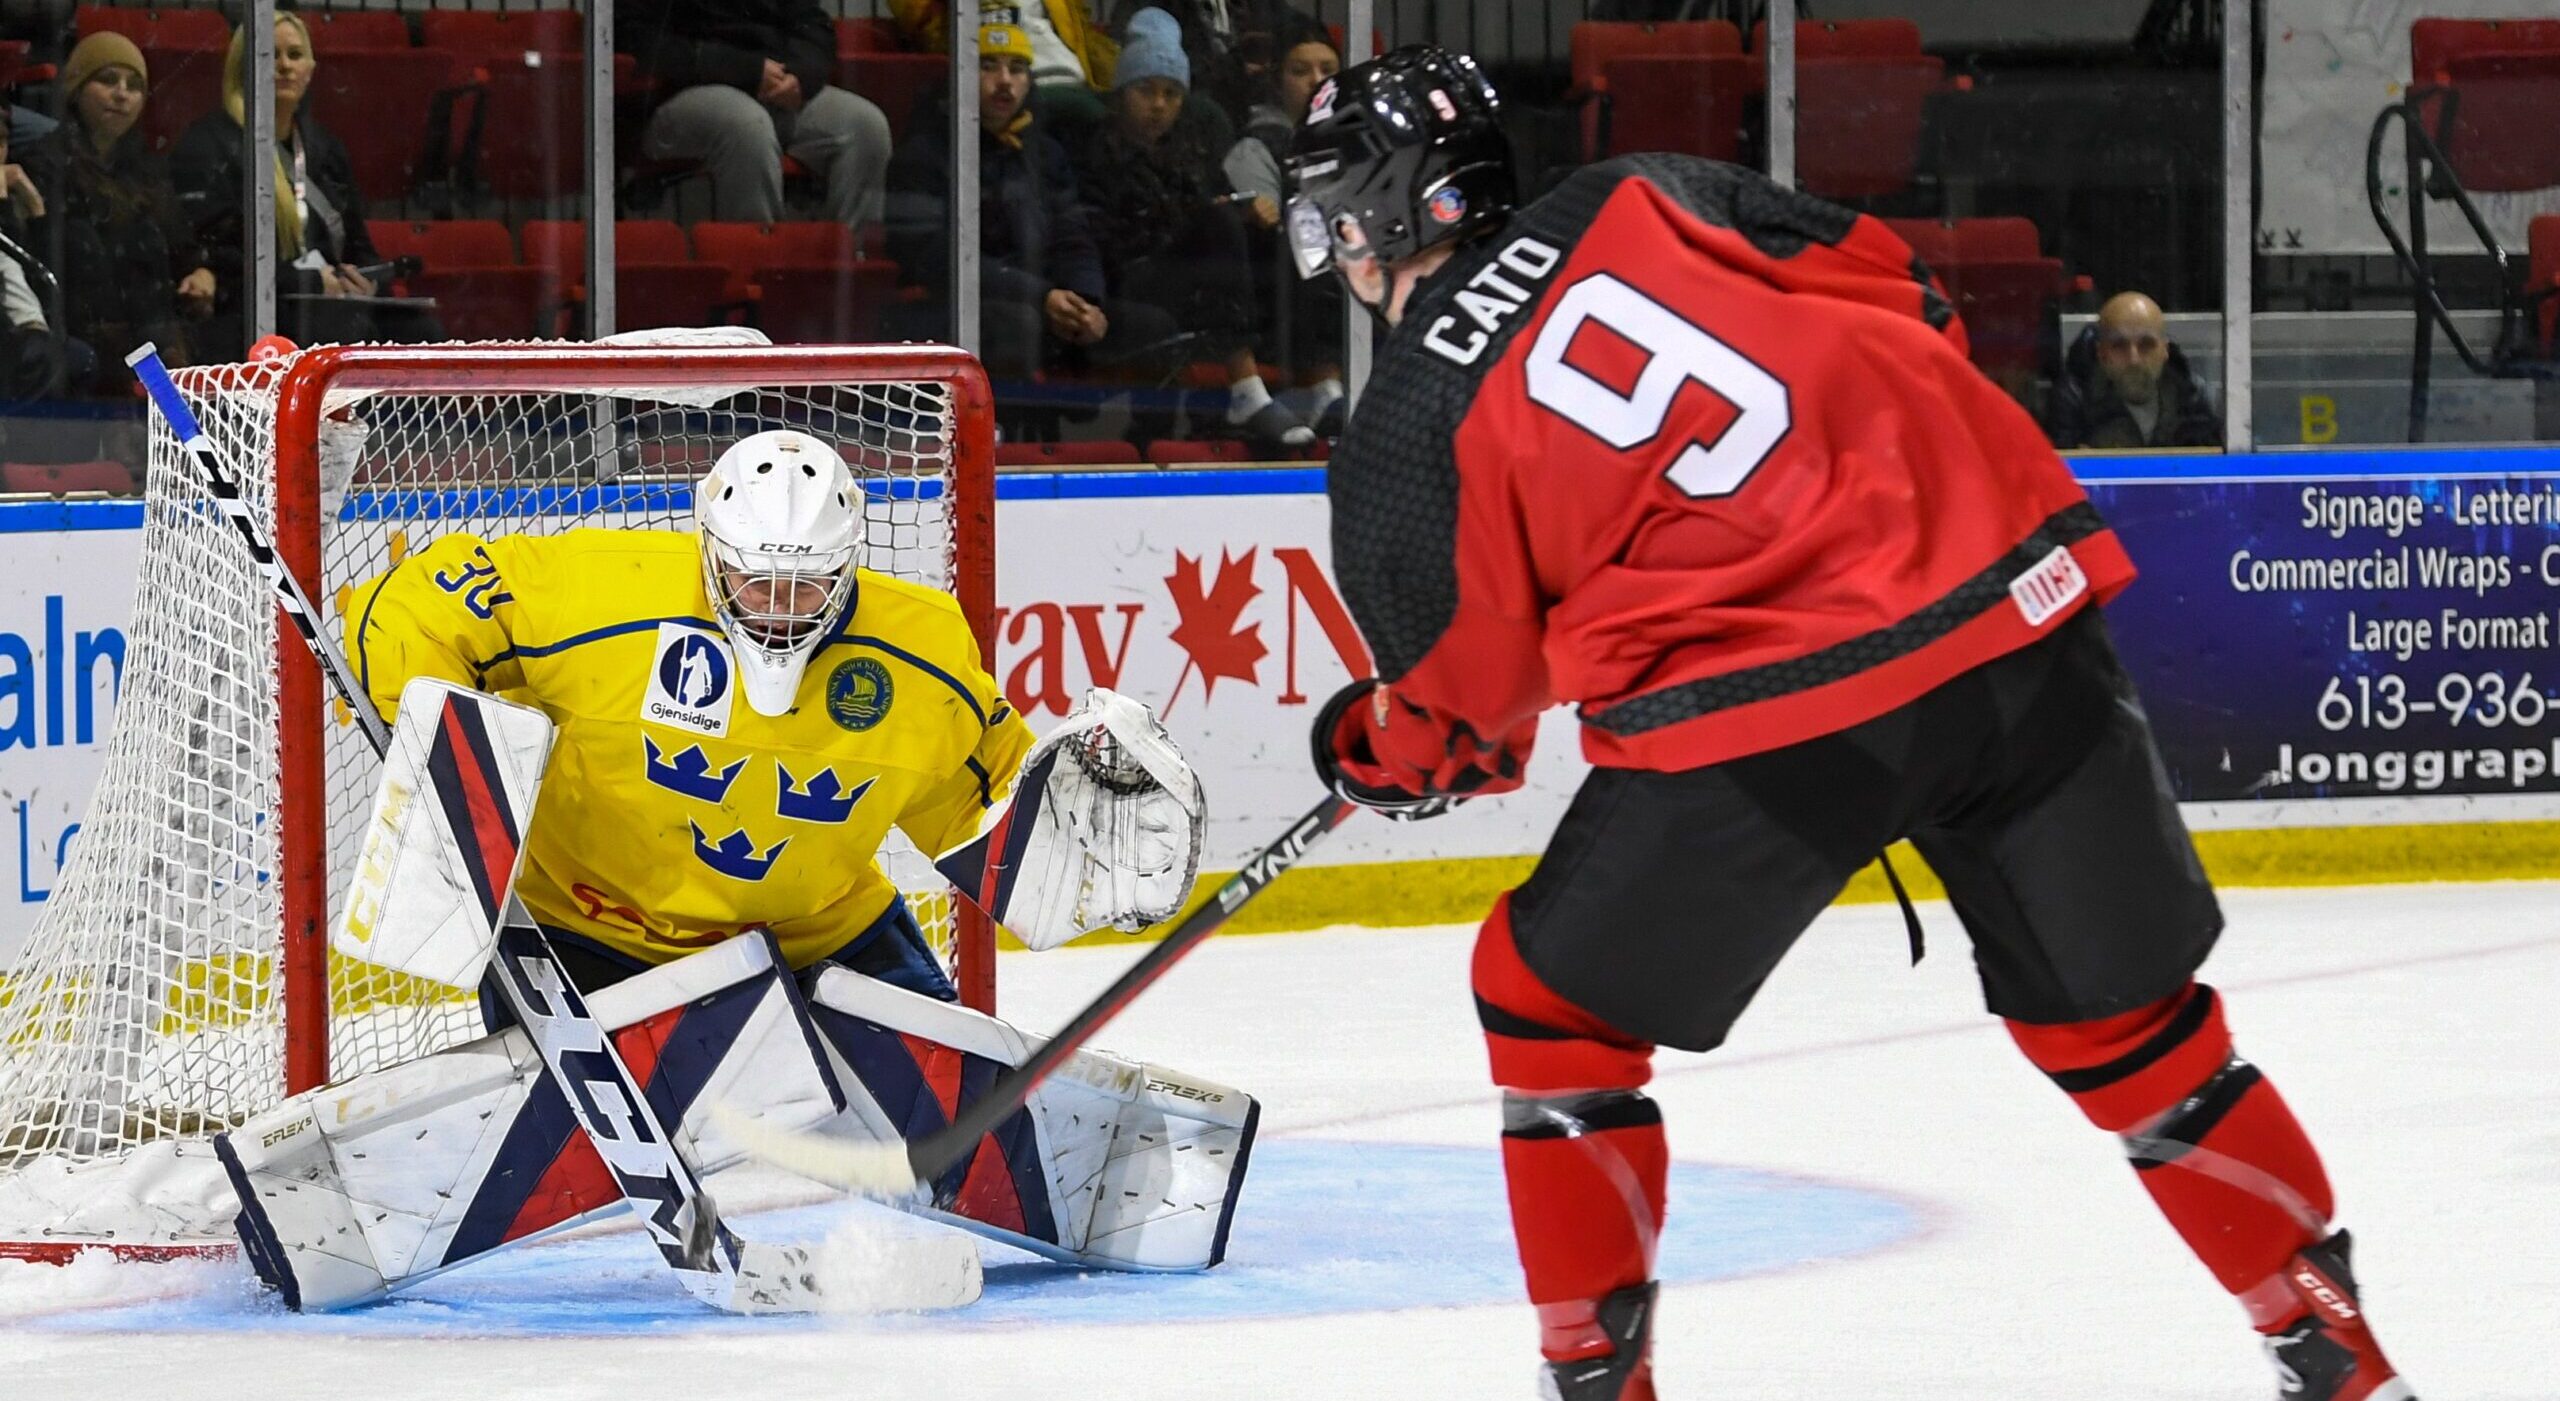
(322, 247)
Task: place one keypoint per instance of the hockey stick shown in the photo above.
(892, 1170)
(661, 1187)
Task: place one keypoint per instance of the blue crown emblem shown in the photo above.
(821, 799)
(690, 772)
(735, 855)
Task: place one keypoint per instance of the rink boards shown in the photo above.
(2348, 658)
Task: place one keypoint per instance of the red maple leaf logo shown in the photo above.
(1208, 634)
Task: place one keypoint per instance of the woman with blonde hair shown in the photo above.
(321, 240)
(129, 265)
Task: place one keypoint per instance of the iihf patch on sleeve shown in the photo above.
(691, 681)
(2049, 587)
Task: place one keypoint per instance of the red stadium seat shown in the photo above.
(899, 84)
(2542, 278)
(533, 128)
(384, 104)
(648, 295)
(63, 478)
(1849, 38)
(1090, 454)
(1858, 123)
(336, 32)
(1689, 103)
(2001, 284)
(746, 248)
(2499, 82)
(868, 35)
(1175, 452)
(508, 303)
(446, 243)
(510, 34)
(1595, 43)
(195, 29)
(830, 305)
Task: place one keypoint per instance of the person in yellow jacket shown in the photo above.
(1072, 55)
(742, 714)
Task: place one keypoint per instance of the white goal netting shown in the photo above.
(149, 1007)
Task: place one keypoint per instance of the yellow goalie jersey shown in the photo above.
(673, 815)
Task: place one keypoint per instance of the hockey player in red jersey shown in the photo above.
(1705, 457)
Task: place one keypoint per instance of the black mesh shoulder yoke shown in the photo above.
(1394, 483)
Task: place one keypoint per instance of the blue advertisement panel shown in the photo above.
(2320, 631)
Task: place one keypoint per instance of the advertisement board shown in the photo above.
(2320, 638)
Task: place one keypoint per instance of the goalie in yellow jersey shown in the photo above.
(742, 714)
(737, 717)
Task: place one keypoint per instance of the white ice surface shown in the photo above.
(2413, 1028)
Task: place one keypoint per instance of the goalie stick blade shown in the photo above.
(911, 1268)
(872, 1169)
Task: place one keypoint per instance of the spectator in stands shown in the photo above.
(33, 363)
(111, 230)
(1041, 294)
(744, 82)
(1166, 217)
(2125, 384)
(322, 243)
(1306, 335)
(1072, 55)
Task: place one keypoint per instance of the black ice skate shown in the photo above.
(2330, 1355)
(1626, 1372)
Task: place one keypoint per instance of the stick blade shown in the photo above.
(871, 1169)
(909, 1270)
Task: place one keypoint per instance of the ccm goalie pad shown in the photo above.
(357, 1189)
(1112, 1164)
(446, 836)
(1103, 830)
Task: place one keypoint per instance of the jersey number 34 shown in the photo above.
(1677, 351)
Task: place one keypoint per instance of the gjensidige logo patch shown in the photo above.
(689, 682)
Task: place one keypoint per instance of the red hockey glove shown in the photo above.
(1388, 754)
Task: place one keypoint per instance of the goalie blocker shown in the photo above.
(355, 1190)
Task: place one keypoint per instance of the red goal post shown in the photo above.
(305, 396)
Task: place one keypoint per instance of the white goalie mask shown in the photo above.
(780, 521)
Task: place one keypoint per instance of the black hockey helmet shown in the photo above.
(1398, 155)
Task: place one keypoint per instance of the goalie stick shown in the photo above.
(648, 1166)
(893, 1170)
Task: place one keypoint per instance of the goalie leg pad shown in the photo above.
(1113, 1163)
(353, 1190)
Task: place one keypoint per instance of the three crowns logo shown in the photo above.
(690, 772)
(821, 798)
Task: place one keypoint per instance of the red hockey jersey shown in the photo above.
(1706, 457)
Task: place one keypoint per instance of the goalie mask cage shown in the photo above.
(179, 978)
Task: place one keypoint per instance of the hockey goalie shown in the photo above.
(712, 734)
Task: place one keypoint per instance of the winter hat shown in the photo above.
(1153, 49)
(1004, 41)
(101, 50)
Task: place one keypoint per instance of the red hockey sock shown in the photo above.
(1582, 1149)
(2213, 1142)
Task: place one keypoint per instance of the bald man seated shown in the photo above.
(2126, 385)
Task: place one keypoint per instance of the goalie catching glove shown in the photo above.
(1408, 761)
(1103, 831)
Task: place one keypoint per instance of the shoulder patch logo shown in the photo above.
(859, 693)
(690, 677)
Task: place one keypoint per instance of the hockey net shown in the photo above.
(178, 979)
